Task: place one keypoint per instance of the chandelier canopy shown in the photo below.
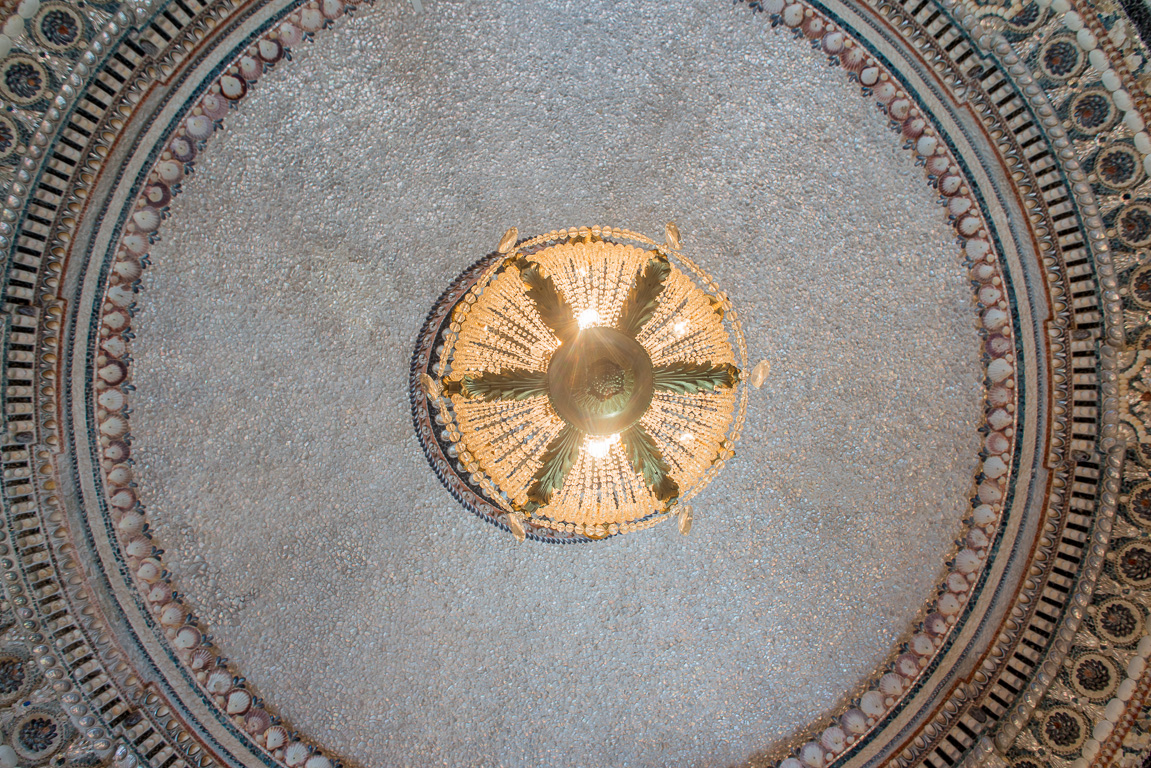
(585, 383)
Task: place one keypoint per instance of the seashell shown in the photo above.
(115, 346)
(949, 604)
(169, 172)
(113, 372)
(967, 561)
(318, 761)
(120, 296)
(982, 272)
(233, 87)
(773, 7)
(149, 570)
(257, 721)
(160, 593)
(214, 106)
(136, 244)
(872, 703)
(199, 127)
(157, 195)
(994, 467)
(121, 474)
(885, 92)
(128, 268)
(250, 68)
(173, 614)
(130, 524)
(331, 9)
(237, 701)
(116, 451)
(921, 644)
(138, 547)
(998, 370)
(833, 42)
(147, 219)
(994, 318)
(793, 15)
(686, 516)
(201, 658)
(869, 76)
(116, 320)
(983, 515)
(998, 346)
(811, 755)
(791, 762)
(999, 396)
(999, 419)
(112, 400)
(996, 442)
(295, 754)
(990, 492)
(956, 583)
(907, 665)
(276, 737)
(958, 205)
(187, 637)
(114, 426)
(854, 721)
(508, 241)
(219, 680)
(968, 226)
(311, 20)
(900, 109)
(950, 185)
(853, 58)
(914, 127)
(814, 27)
(926, 145)
(891, 684)
(123, 498)
(182, 149)
(977, 539)
(935, 624)
(290, 34)
(833, 739)
(990, 295)
(269, 50)
(938, 165)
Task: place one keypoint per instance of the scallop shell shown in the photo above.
(318, 761)
(112, 400)
(257, 721)
(120, 475)
(237, 701)
(219, 681)
(276, 736)
(173, 614)
(201, 658)
(116, 451)
(138, 547)
(187, 637)
(123, 498)
(296, 754)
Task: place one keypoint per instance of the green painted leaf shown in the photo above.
(647, 460)
(555, 312)
(643, 298)
(558, 459)
(508, 384)
(686, 378)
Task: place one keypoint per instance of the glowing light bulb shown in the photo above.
(588, 318)
(599, 447)
(680, 328)
(687, 437)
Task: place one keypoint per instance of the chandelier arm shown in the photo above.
(553, 310)
(556, 462)
(508, 384)
(643, 298)
(686, 378)
(646, 459)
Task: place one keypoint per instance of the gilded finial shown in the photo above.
(517, 527)
(431, 387)
(685, 518)
(508, 241)
(671, 236)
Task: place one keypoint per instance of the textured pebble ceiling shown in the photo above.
(273, 434)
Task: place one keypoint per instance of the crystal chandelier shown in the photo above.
(584, 384)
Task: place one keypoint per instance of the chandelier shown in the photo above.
(581, 384)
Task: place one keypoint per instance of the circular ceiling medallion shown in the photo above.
(584, 383)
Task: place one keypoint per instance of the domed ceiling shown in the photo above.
(272, 494)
